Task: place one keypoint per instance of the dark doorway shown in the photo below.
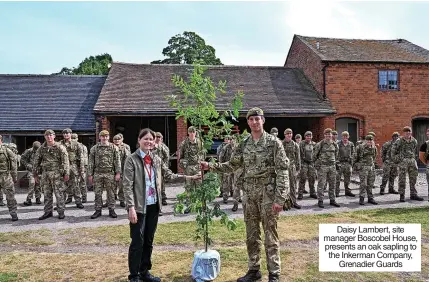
(420, 126)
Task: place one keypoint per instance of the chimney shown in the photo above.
(317, 45)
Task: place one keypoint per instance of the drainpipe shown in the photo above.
(324, 80)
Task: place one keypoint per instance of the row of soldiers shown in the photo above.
(331, 159)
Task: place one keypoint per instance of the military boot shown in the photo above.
(61, 215)
(393, 191)
(38, 202)
(273, 278)
(96, 214)
(320, 204)
(79, 206)
(235, 206)
(334, 203)
(68, 201)
(402, 198)
(122, 204)
(105, 205)
(314, 196)
(27, 202)
(305, 191)
(46, 215)
(251, 276)
(381, 190)
(349, 192)
(299, 197)
(416, 198)
(112, 213)
(164, 202)
(83, 199)
(1, 203)
(362, 201)
(14, 216)
(298, 207)
(372, 201)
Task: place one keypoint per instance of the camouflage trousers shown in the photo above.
(237, 185)
(346, 170)
(52, 182)
(307, 172)
(326, 174)
(119, 190)
(408, 166)
(292, 183)
(104, 181)
(390, 172)
(191, 184)
(6, 183)
(227, 179)
(33, 187)
(83, 184)
(367, 179)
(72, 186)
(255, 213)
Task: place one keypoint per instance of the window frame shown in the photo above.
(387, 77)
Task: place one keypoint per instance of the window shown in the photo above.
(388, 80)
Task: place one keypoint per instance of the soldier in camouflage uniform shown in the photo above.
(326, 156)
(237, 184)
(76, 169)
(307, 170)
(274, 132)
(122, 142)
(227, 178)
(82, 180)
(8, 176)
(404, 152)
(27, 159)
(123, 154)
(52, 161)
(298, 138)
(345, 163)
(364, 159)
(334, 139)
(191, 154)
(424, 157)
(294, 156)
(163, 152)
(104, 169)
(266, 190)
(390, 169)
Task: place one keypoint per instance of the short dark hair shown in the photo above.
(146, 131)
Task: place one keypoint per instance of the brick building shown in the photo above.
(133, 97)
(374, 85)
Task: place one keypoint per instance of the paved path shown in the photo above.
(76, 218)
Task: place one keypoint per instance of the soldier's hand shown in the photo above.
(91, 180)
(277, 208)
(204, 165)
(118, 177)
(66, 178)
(132, 215)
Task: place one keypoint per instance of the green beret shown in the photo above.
(334, 132)
(345, 133)
(255, 112)
(74, 136)
(158, 134)
(372, 133)
(67, 130)
(36, 144)
(298, 136)
(395, 134)
(274, 130)
(49, 132)
(192, 129)
(308, 133)
(369, 137)
(120, 135)
(104, 133)
(117, 137)
(288, 130)
(406, 129)
(327, 130)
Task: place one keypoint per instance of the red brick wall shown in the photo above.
(103, 124)
(302, 57)
(182, 133)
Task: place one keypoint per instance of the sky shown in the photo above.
(43, 37)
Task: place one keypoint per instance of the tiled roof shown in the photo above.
(141, 89)
(359, 50)
(39, 102)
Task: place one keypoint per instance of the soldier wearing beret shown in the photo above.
(52, 160)
(227, 178)
(390, 169)
(8, 176)
(83, 176)
(404, 153)
(266, 190)
(121, 142)
(27, 159)
(307, 170)
(163, 152)
(345, 163)
(274, 131)
(294, 156)
(123, 154)
(298, 138)
(364, 160)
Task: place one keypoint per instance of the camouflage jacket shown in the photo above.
(386, 149)
(163, 152)
(104, 159)
(75, 153)
(263, 161)
(126, 147)
(51, 158)
(85, 154)
(191, 153)
(27, 159)
(226, 153)
(8, 161)
(365, 155)
(123, 154)
(346, 152)
(293, 153)
(307, 151)
(404, 149)
(326, 153)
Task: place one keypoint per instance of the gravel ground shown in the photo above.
(77, 218)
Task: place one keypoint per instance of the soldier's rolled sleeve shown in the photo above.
(117, 161)
(128, 181)
(281, 162)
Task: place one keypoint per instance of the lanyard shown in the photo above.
(149, 171)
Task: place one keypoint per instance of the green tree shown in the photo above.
(98, 65)
(188, 48)
(195, 102)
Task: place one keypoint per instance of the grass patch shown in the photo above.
(8, 277)
(42, 237)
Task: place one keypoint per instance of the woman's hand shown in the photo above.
(132, 215)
